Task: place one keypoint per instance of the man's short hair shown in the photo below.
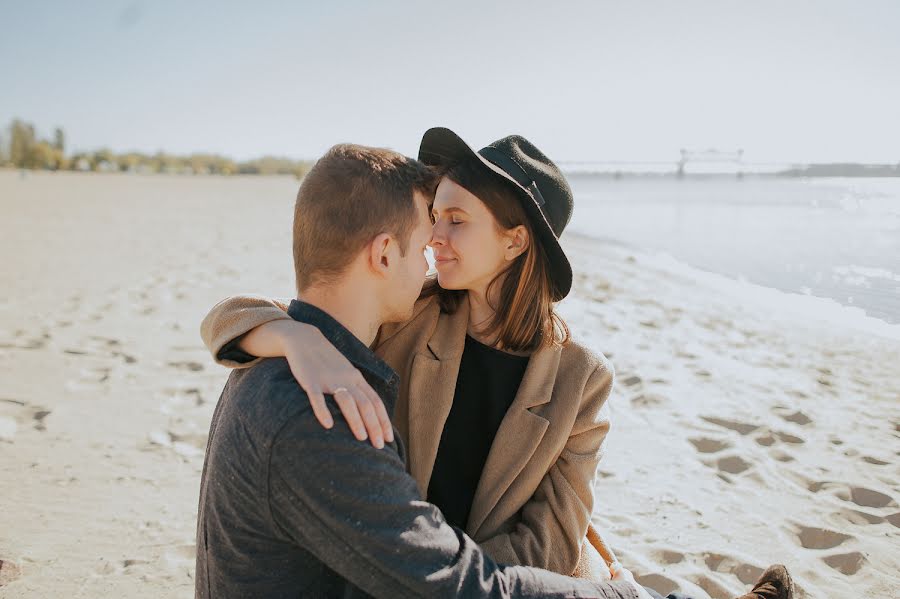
(353, 194)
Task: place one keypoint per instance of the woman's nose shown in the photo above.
(437, 237)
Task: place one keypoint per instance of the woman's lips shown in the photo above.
(443, 261)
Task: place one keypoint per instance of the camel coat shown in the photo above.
(534, 501)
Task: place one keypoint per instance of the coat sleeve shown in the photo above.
(555, 520)
(234, 317)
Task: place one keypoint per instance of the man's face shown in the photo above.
(407, 279)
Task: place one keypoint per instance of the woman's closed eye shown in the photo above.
(453, 220)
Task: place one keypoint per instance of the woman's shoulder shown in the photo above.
(577, 357)
(592, 373)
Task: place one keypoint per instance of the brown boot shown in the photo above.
(775, 583)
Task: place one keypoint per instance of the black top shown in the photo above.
(485, 388)
(291, 509)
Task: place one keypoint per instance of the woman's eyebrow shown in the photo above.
(451, 209)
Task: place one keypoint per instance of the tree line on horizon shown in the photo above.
(20, 147)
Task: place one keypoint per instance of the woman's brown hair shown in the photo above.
(525, 317)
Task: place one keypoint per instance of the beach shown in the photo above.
(750, 426)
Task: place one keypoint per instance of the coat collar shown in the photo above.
(448, 339)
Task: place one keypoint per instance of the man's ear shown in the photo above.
(516, 242)
(380, 256)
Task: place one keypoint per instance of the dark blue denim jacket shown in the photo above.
(291, 509)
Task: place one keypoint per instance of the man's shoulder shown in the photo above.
(266, 395)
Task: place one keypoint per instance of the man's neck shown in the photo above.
(348, 304)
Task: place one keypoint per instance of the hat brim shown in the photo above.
(442, 147)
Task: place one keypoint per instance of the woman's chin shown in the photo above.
(446, 281)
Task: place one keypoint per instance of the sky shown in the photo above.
(786, 81)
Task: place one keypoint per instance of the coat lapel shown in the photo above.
(518, 437)
(432, 385)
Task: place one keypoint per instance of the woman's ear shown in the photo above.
(516, 242)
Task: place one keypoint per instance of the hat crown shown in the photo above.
(558, 202)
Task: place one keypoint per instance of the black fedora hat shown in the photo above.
(543, 190)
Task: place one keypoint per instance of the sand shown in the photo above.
(750, 427)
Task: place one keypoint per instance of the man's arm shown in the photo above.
(357, 510)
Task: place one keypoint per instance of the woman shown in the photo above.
(502, 414)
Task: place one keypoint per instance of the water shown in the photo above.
(833, 238)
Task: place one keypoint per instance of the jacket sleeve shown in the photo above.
(555, 520)
(356, 508)
(234, 317)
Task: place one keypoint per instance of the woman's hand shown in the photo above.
(321, 369)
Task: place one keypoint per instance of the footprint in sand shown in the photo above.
(708, 445)
(781, 456)
(768, 438)
(859, 517)
(631, 381)
(101, 347)
(825, 383)
(795, 416)
(15, 413)
(667, 556)
(859, 495)
(657, 582)
(39, 342)
(741, 427)
(129, 565)
(846, 563)
(713, 588)
(746, 573)
(187, 446)
(819, 538)
(733, 464)
(176, 397)
(187, 365)
(89, 378)
(9, 571)
(648, 400)
(787, 438)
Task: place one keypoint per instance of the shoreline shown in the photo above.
(824, 309)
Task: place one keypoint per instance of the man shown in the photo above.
(290, 509)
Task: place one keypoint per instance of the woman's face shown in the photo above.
(470, 248)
